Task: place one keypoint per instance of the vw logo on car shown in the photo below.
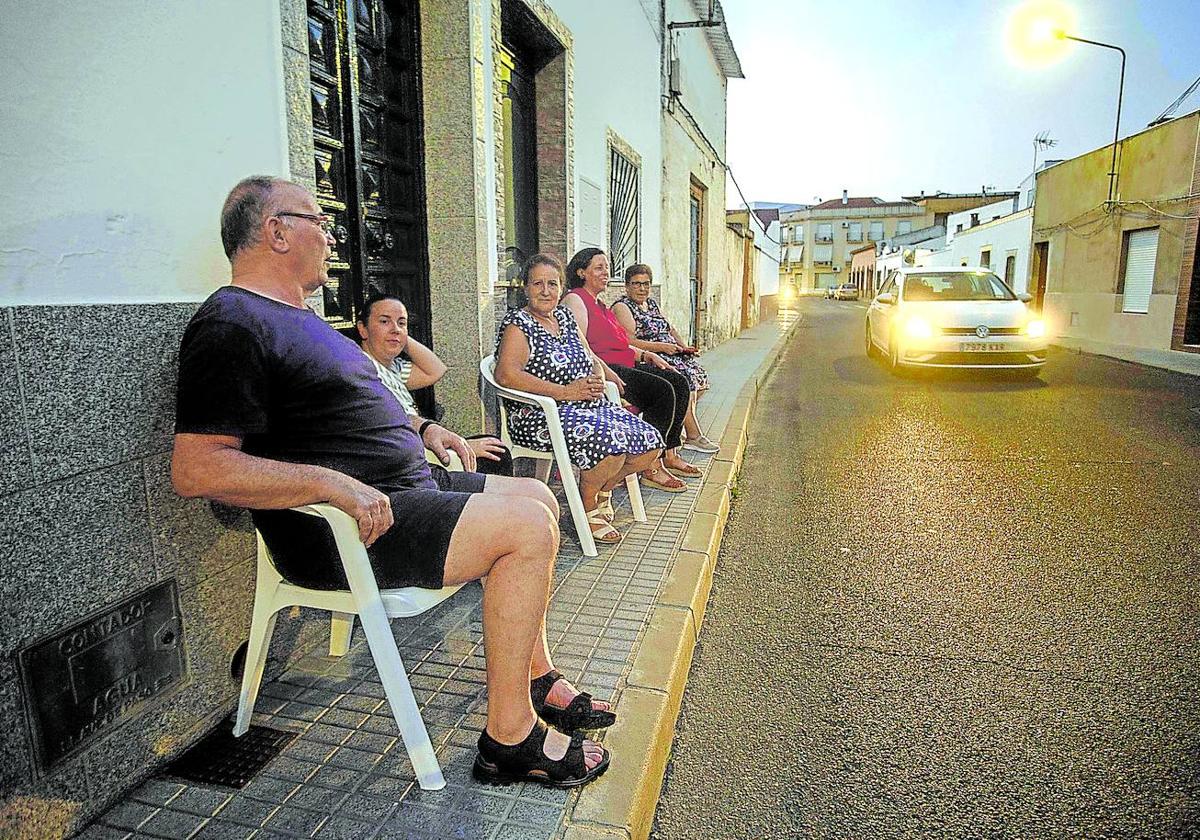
(982, 331)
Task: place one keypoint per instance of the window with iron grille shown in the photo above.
(624, 212)
(855, 234)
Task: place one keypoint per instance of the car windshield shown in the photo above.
(959, 285)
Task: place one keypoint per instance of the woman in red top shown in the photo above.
(643, 377)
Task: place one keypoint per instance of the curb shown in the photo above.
(622, 804)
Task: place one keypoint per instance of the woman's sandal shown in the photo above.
(579, 714)
(608, 534)
(502, 764)
(686, 470)
(671, 485)
(605, 506)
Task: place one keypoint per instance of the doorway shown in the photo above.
(365, 83)
(1041, 261)
(696, 261)
(1191, 322)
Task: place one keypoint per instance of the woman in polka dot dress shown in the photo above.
(649, 329)
(540, 350)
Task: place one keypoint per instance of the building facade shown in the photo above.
(450, 139)
(1120, 277)
(819, 240)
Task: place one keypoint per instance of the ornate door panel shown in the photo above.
(367, 140)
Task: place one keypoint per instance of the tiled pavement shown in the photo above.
(347, 775)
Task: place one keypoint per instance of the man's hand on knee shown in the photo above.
(371, 509)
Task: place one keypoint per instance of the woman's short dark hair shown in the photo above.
(580, 262)
(636, 269)
(539, 259)
(375, 297)
(245, 209)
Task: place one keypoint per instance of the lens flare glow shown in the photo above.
(1036, 328)
(1035, 29)
(918, 328)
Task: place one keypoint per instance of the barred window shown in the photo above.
(624, 213)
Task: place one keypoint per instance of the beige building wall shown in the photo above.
(807, 276)
(1085, 238)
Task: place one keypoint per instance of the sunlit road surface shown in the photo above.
(951, 606)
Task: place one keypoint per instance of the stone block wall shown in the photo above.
(86, 419)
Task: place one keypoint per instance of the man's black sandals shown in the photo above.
(578, 715)
(501, 764)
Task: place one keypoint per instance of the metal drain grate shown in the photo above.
(221, 759)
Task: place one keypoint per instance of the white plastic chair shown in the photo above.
(559, 452)
(373, 606)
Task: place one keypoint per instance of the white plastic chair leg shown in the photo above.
(635, 497)
(341, 627)
(399, 692)
(262, 626)
(575, 501)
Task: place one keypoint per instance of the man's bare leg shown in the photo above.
(513, 542)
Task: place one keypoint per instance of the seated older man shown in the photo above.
(277, 409)
(383, 328)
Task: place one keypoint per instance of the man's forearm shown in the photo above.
(236, 478)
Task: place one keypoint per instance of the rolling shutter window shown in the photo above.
(1141, 250)
(823, 253)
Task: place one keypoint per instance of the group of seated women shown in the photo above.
(567, 347)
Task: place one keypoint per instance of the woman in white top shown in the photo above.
(383, 327)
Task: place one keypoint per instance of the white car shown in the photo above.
(954, 317)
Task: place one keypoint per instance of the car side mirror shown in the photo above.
(887, 299)
(1024, 297)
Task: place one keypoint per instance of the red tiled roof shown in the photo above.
(858, 203)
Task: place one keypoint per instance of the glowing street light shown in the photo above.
(1037, 34)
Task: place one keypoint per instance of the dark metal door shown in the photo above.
(367, 138)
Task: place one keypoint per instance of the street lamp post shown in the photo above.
(1113, 175)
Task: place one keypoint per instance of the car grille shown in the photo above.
(984, 359)
(971, 330)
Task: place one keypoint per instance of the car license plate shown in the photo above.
(980, 347)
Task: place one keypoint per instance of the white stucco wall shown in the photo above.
(986, 213)
(768, 258)
(704, 84)
(1010, 234)
(616, 54)
(121, 130)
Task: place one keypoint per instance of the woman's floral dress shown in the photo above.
(594, 429)
(652, 325)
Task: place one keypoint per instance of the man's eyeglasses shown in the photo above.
(325, 223)
(640, 284)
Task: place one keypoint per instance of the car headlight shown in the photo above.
(1035, 328)
(918, 328)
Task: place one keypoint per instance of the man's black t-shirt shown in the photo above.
(293, 389)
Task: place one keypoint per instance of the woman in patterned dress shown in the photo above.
(649, 329)
(541, 350)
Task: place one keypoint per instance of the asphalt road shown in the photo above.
(951, 606)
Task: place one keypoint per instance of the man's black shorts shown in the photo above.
(411, 553)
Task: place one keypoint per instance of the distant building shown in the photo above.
(759, 230)
(819, 240)
(1122, 278)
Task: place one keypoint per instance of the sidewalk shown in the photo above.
(622, 626)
